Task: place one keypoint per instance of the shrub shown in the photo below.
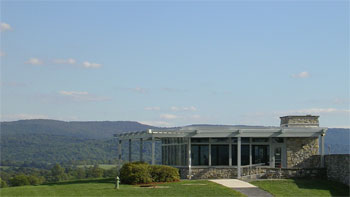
(19, 180)
(134, 173)
(34, 180)
(161, 173)
(2, 183)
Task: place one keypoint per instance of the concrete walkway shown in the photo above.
(243, 187)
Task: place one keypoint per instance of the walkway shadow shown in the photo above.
(335, 188)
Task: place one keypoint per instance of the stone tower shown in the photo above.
(299, 121)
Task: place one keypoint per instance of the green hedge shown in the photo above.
(140, 172)
(162, 173)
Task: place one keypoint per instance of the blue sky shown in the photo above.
(175, 63)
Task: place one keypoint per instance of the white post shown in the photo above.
(272, 153)
(153, 151)
(141, 149)
(250, 152)
(239, 157)
(189, 159)
(129, 150)
(322, 149)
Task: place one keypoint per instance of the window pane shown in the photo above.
(220, 140)
(260, 139)
(200, 155)
(261, 154)
(234, 140)
(200, 140)
(245, 140)
(277, 140)
(234, 155)
(219, 155)
(244, 155)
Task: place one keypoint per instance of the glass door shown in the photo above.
(278, 156)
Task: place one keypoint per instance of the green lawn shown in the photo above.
(105, 187)
(303, 187)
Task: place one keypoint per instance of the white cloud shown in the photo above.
(139, 90)
(168, 116)
(34, 61)
(190, 108)
(87, 64)
(5, 27)
(157, 123)
(82, 96)
(303, 74)
(152, 108)
(64, 61)
(22, 116)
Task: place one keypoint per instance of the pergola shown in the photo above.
(179, 143)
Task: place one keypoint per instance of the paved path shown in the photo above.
(243, 187)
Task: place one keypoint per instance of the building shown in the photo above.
(233, 152)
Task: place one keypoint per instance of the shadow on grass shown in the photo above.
(335, 188)
(83, 181)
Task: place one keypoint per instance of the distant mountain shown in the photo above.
(85, 130)
(59, 141)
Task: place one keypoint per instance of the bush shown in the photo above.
(161, 173)
(19, 180)
(140, 172)
(34, 180)
(2, 183)
(135, 173)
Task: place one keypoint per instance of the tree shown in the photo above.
(19, 180)
(95, 172)
(58, 173)
(2, 183)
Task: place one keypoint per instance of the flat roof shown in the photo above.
(224, 131)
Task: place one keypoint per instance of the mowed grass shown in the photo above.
(303, 187)
(105, 187)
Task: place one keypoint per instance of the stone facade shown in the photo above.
(209, 173)
(302, 152)
(300, 121)
(338, 168)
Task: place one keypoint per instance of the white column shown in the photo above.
(322, 150)
(189, 159)
(141, 149)
(230, 152)
(239, 157)
(272, 154)
(129, 150)
(153, 151)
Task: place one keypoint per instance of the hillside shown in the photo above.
(54, 141)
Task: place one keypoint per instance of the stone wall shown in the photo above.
(278, 173)
(338, 168)
(209, 173)
(302, 152)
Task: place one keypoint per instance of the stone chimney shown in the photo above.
(299, 121)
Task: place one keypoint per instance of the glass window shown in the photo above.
(245, 140)
(244, 155)
(234, 155)
(260, 154)
(199, 140)
(277, 140)
(260, 139)
(234, 140)
(200, 155)
(219, 140)
(219, 155)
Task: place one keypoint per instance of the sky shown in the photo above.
(175, 63)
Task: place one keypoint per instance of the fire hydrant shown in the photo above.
(117, 181)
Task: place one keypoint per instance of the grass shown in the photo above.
(105, 187)
(103, 166)
(303, 187)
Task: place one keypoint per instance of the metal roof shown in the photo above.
(225, 131)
